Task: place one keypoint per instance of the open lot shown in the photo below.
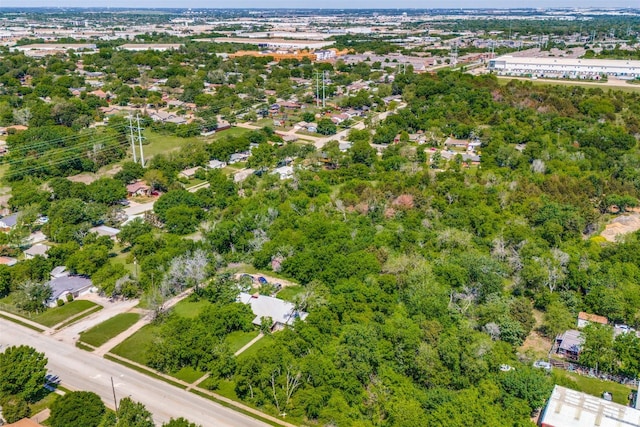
(53, 316)
(103, 332)
(594, 386)
(135, 347)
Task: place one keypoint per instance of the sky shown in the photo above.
(327, 4)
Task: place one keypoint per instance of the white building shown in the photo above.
(564, 67)
(569, 408)
(281, 312)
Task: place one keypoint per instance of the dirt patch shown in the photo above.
(623, 224)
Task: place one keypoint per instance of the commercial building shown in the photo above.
(277, 43)
(570, 408)
(564, 67)
(160, 47)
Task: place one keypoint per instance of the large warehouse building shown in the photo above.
(570, 408)
(564, 67)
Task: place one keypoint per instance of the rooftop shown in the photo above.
(278, 310)
(569, 408)
(593, 318)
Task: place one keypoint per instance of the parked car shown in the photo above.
(262, 280)
(541, 364)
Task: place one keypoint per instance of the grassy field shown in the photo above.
(135, 347)
(43, 403)
(263, 343)
(53, 316)
(234, 131)
(239, 339)
(190, 309)
(594, 386)
(290, 292)
(108, 329)
(159, 143)
(188, 374)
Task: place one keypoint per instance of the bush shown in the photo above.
(69, 297)
(59, 302)
(15, 409)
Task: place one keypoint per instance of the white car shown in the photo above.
(541, 364)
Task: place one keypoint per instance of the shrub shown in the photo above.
(69, 297)
(59, 302)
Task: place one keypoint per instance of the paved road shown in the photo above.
(81, 370)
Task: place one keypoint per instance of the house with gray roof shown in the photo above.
(64, 285)
(281, 312)
(9, 221)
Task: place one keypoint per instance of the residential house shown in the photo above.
(243, 156)
(63, 284)
(290, 105)
(344, 146)
(282, 313)
(9, 222)
(242, 175)
(456, 143)
(25, 422)
(103, 230)
(138, 188)
(99, 93)
(216, 164)
(36, 250)
(8, 261)
(167, 117)
(189, 173)
(569, 344)
(585, 318)
(285, 172)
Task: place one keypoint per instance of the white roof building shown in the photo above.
(281, 312)
(570, 408)
(564, 67)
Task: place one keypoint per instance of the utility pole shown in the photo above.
(317, 89)
(133, 145)
(140, 141)
(115, 401)
(323, 101)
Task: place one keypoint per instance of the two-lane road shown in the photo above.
(81, 370)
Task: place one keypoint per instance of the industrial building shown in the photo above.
(569, 408)
(277, 43)
(564, 67)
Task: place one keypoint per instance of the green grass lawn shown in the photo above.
(234, 131)
(159, 143)
(190, 309)
(135, 347)
(43, 403)
(290, 292)
(594, 386)
(108, 329)
(263, 343)
(239, 339)
(53, 316)
(188, 374)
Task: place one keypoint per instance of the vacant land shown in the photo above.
(53, 316)
(108, 329)
(595, 386)
(135, 347)
(621, 225)
(238, 339)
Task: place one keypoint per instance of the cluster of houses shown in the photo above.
(568, 344)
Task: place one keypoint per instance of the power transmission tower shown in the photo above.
(133, 145)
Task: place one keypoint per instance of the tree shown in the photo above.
(362, 152)
(133, 414)
(107, 191)
(326, 127)
(22, 372)
(130, 172)
(597, 350)
(77, 409)
(528, 384)
(33, 295)
(130, 232)
(14, 409)
(180, 422)
(557, 319)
